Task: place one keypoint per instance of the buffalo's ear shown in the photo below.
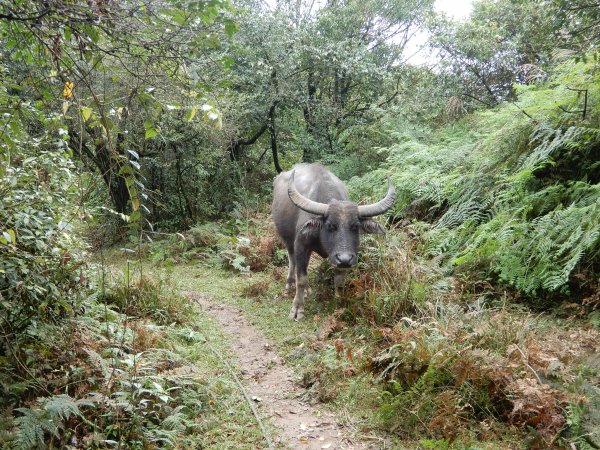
(370, 226)
(312, 227)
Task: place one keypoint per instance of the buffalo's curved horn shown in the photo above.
(381, 206)
(305, 204)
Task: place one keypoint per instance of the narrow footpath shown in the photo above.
(269, 383)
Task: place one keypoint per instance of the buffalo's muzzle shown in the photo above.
(344, 260)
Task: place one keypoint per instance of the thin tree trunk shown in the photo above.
(109, 165)
(309, 120)
(273, 133)
(185, 210)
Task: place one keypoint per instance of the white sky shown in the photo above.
(457, 9)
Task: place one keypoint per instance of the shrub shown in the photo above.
(460, 375)
(507, 198)
(148, 297)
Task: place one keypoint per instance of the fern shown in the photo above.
(550, 142)
(33, 425)
(46, 419)
(514, 199)
(62, 407)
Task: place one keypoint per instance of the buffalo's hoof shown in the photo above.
(296, 313)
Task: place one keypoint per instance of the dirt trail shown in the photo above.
(301, 426)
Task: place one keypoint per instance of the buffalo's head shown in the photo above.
(339, 222)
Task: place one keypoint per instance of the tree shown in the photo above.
(313, 74)
(496, 48)
(581, 20)
(116, 64)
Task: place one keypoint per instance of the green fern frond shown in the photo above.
(32, 426)
(62, 407)
(47, 418)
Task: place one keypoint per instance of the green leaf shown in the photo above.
(231, 28)
(151, 132)
(86, 113)
(227, 62)
(92, 33)
(135, 216)
(176, 15)
(190, 114)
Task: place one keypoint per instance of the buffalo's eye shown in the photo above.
(331, 226)
(354, 226)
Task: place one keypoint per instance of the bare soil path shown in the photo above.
(270, 382)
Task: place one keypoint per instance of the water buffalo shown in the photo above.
(312, 213)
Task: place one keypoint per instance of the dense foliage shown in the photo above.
(511, 192)
(125, 121)
(77, 99)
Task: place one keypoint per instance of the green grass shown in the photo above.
(354, 398)
(329, 376)
(339, 356)
(195, 352)
(268, 313)
(144, 368)
(226, 420)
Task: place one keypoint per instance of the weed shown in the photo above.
(131, 382)
(257, 289)
(148, 297)
(432, 359)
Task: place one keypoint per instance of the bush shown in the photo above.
(244, 245)
(42, 275)
(507, 198)
(148, 297)
(39, 264)
(458, 378)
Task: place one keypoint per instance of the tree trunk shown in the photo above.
(184, 206)
(309, 119)
(109, 165)
(273, 134)
(237, 145)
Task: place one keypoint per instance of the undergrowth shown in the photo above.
(413, 352)
(241, 246)
(138, 367)
(427, 342)
(451, 365)
(510, 195)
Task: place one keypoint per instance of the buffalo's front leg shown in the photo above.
(302, 258)
(290, 281)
